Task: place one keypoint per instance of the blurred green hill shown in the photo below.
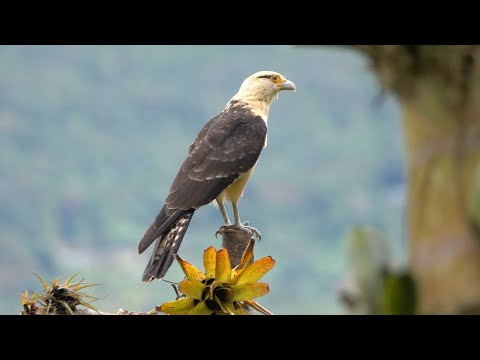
(92, 136)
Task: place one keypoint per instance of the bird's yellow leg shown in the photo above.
(226, 220)
(236, 214)
(238, 224)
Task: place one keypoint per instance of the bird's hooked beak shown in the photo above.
(288, 85)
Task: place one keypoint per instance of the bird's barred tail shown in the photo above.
(166, 248)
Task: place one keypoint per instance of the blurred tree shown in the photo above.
(438, 88)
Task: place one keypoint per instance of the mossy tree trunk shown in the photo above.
(438, 88)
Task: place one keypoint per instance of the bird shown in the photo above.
(220, 161)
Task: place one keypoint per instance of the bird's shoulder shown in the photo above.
(236, 120)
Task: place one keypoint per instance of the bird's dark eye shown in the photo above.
(274, 78)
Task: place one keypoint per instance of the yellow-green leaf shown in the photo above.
(39, 297)
(44, 284)
(23, 297)
(80, 287)
(209, 261)
(223, 270)
(88, 305)
(190, 288)
(249, 291)
(255, 271)
(69, 279)
(55, 282)
(247, 255)
(67, 307)
(190, 271)
(178, 307)
(47, 310)
(201, 309)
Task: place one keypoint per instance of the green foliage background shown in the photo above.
(92, 136)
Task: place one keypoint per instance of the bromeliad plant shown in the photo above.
(57, 299)
(221, 289)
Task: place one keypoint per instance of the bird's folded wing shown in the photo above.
(230, 146)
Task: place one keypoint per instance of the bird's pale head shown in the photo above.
(264, 86)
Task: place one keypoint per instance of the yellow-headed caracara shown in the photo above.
(219, 163)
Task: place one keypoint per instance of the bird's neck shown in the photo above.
(259, 105)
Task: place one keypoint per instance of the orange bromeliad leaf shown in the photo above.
(209, 262)
(223, 270)
(247, 255)
(190, 271)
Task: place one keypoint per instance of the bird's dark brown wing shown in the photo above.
(228, 147)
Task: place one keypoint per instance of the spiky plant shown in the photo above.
(56, 298)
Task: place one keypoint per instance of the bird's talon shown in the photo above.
(257, 233)
(242, 227)
(222, 229)
(253, 230)
(219, 231)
